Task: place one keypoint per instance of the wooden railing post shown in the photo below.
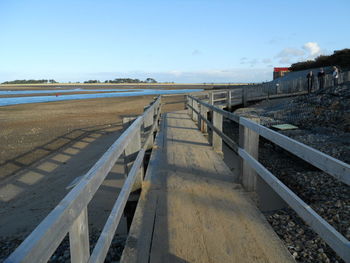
(249, 141)
(130, 153)
(211, 97)
(79, 239)
(216, 138)
(191, 108)
(199, 124)
(204, 113)
(147, 125)
(229, 98)
(244, 96)
(195, 107)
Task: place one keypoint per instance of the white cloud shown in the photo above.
(313, 49)
(289, 53)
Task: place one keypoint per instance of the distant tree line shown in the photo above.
(30, 81)
(339, 58)
(124, 80)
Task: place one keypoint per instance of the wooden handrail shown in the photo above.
(326, 163)
(43, 241)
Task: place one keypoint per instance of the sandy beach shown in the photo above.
(45, 146)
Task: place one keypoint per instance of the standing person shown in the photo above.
(310, 81)
(335, 76)
(321, 76)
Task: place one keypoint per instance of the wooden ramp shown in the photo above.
(189, 209)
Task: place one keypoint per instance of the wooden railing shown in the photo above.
(70, 215)
(268, 90)
(247, 150)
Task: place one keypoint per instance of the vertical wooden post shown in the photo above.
(245, 96)
(79, 239)
(188, 104)
(195, 106)
(249, 141)
(199, 124)
(147, 124)
(191, 104)
(216, 139)
(131, 152)
(229, 98)
(211, 97)
(204, 112)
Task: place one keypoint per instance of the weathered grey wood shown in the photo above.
(217, 140)
(79, 239)
(211, 98)
(131, 151)
(147, 124)
(249, 141)
(191, 211)
(43, 241)
(101, 249)
(330, 165)
(332, 237)
(245, 96)
(137, 247)
(199, 122)
(233, 145)
(196, 109)
(203, 113)
(224, 113)
(229, 98)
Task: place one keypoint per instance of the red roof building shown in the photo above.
(279, 72)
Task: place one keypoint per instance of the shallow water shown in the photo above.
(26, 92)
(131, 93)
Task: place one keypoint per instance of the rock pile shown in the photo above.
(323, 119)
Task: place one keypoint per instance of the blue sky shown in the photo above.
(178, 40)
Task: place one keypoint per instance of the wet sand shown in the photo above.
(45, 146)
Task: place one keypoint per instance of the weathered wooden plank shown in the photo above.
(43, 241)
(233, 145)
(101, 249)
(226, 114)
(217, 140)
(330, 165)
(137, 247)
(332, 237)
(200, 214)
(249, 141)
(79, 239)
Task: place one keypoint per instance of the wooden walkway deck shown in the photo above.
(191, 211)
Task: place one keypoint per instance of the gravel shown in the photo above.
(323, 121)
(62, 254)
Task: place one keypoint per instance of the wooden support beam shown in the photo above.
(204, 113)
(249, 141)
(229, 98)
(79, 239)
(245, 96)
(196, 108)
(130, 152)
(147, 126)
(211, 98)
(216, 138)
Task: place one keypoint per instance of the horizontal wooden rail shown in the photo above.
(233, 145)
(332, 237)
(326, 163)
(102, 246)
(43, 241)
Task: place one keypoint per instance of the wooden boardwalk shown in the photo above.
(191, 211)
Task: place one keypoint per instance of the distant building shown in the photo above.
(279, 72)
